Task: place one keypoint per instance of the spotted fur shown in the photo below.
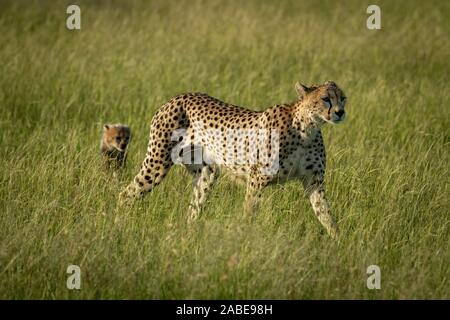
(301, 152)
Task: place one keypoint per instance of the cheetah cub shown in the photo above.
(114, 145)
(205, 135)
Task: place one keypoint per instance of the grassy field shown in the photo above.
(387, 171)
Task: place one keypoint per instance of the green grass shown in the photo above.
(387, 172)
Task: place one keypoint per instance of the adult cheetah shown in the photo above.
(207, 135)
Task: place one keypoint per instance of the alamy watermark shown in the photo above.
(74, 280)
(229, 147)
(73, 21)
(374, 279)
(373, 22)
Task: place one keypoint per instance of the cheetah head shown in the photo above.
(117, 136)
(322, 103)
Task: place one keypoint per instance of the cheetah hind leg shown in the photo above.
(203, 179)
(145, 181)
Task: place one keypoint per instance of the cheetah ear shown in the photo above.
(301, 89)
(106, 126)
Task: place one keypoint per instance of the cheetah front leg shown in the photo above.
(316, 193)
(202, 185)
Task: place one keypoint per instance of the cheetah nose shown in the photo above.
(340, 113)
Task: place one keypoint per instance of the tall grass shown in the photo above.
(387, 172)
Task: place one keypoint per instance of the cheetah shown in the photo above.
(114, 145)
(208, 136)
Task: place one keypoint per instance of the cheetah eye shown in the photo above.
(327, 100)
(117, 139)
